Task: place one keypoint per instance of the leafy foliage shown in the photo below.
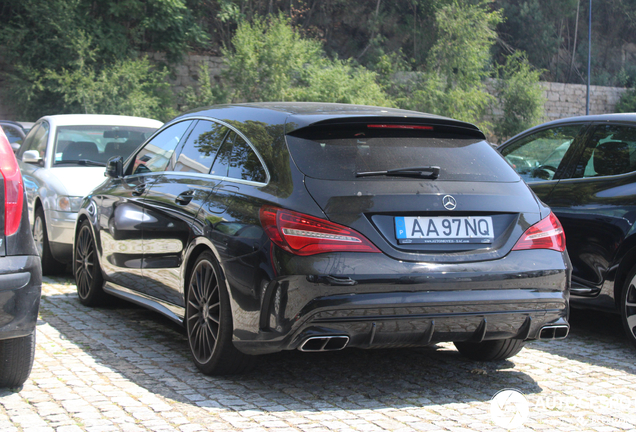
(272, 62)
(627, 102)
(58, 47)
(520, 96)
(128, 87)
(206, 94)
(458, 64)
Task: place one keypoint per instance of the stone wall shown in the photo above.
(187, 73)
(568, 100)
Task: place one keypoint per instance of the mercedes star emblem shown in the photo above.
(449, 202)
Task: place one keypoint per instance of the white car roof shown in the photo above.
(100, 119)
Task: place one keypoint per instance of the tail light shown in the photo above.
(13, 189)
(546, 234)
(306, 235)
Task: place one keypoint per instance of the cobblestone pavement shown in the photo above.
(125, 368)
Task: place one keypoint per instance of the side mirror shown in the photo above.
(115, 167)
(32, 157)
(16, 146)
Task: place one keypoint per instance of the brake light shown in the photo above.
(13, 189)
(306, 235)
(546, 234)
(395, 126)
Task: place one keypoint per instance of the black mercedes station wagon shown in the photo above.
(278, 226)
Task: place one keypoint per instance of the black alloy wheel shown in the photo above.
(628, 307)
(88, 274)
(209, 321)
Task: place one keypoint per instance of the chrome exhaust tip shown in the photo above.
(550, 332)
(324, 343)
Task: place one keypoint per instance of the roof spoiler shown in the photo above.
(384, 126)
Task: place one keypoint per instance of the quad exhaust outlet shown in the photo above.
(554, 332)
(324, 343)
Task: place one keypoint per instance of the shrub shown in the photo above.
(519, 95)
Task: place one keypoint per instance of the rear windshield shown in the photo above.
(459, 159)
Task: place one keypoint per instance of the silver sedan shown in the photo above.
(62, 159)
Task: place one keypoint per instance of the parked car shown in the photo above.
(62, 159)
(15, 132)
(584, 168)
(277, 226)
(20, 275)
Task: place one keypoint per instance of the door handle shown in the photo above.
(139, 190)
(184, 198)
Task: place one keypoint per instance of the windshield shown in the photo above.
(458, 159)
(96, 143)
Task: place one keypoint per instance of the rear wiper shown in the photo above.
(85, 162)
(428, 172)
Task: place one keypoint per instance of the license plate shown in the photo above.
(458, 229)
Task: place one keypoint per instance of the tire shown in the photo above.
(628, 307)
(50, 266)
(16, 360)
(491, 350)
(209, 321)
(88, 274)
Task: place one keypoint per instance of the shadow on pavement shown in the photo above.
(595, 338)
(152, 351)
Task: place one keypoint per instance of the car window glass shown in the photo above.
(201, 147)
(538, 156)
(13, 135)
(37, 141)
(97, 143)
(611, 150)
(459, 158)
(244, 164)
(156, 154)
(222, 161)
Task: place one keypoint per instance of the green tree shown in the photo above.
(519, 95)
(270, 61)
(54, 45)
(627, 102)
(458, 64)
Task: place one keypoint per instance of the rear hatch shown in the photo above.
(458, 199)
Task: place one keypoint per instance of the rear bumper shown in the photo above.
(395, 304)
(20, 290)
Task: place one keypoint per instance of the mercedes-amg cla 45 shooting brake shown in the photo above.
(317, 227)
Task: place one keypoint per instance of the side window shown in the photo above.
(244, 164)
(36, 140)
(222, 161)
(611, 150)
(28, 140)
(538, 156)
(156, 154)
(201, 147)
